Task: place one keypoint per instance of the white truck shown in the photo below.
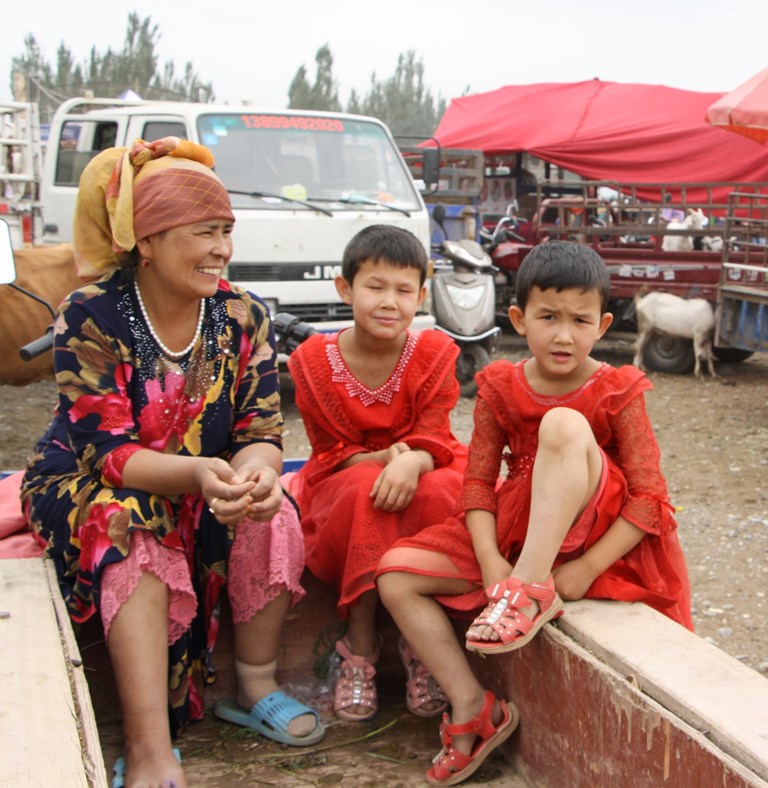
(21, 171)
(301, 183)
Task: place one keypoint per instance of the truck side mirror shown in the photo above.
(7, 263)
(431, 167)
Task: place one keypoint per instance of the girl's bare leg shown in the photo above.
(138, 647)
(361, 633)
(425, 625)
(566, 474)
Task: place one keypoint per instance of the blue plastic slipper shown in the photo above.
(118, 770)
(270, 717)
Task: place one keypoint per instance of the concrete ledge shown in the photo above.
(617, 694)
(47, 725)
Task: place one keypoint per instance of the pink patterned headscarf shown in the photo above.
(126, 195)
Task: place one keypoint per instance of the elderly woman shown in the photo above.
(157, 480)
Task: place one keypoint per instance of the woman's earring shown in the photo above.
(144, 263)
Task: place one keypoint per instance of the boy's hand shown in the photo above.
(573, 579)
(396, 485)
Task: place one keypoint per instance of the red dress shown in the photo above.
(507, 414)
(344, 535)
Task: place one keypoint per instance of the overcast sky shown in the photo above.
(250, 51)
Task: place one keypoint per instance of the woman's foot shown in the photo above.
(298, 727)
(152, 766)
(355, 698)
(256, 682)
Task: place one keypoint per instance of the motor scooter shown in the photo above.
(503, 245)
(464, 302)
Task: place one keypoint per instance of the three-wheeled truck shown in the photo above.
(724, 263)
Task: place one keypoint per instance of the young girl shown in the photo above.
(583, 510)
(376, 401)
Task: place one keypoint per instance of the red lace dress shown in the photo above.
(344, 535)
(507, 414)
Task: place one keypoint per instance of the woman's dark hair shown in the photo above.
(562, 265)
(384, 243)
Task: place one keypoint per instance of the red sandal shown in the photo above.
(450, 766)
(503, 614)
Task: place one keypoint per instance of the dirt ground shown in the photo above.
(714, 441)
(713, 435)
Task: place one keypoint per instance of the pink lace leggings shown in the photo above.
(265, 559)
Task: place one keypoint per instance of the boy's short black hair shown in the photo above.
(562, 265)
(384, 243)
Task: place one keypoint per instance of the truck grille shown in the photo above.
(318, 313)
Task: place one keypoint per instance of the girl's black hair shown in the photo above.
(562, 265)
(385, 243)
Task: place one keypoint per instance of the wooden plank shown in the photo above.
(704, 686)
(43, 717)
(616, 694)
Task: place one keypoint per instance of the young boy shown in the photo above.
(376, 402)
(582, 511)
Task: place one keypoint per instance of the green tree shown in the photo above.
(324, 93)
(109, 73)
(403, 101)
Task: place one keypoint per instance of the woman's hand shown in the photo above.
(228, 493)
(573, 579)
(266, 496)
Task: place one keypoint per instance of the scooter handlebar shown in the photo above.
(37, 347)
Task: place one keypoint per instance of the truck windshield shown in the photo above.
(307, 158)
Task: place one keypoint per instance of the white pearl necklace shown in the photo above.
(166, 352)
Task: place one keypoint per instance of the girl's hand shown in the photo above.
(396, 485)
(573, 579)
(494, 568)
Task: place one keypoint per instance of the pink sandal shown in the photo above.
(450, 766)
(421, 687)
(355, 686)
(503, 614)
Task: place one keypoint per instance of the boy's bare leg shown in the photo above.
(138, 647)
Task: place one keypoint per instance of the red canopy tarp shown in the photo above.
(606, 131)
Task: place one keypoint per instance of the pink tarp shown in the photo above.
(605, 131)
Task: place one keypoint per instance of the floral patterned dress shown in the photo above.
(118, 394)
